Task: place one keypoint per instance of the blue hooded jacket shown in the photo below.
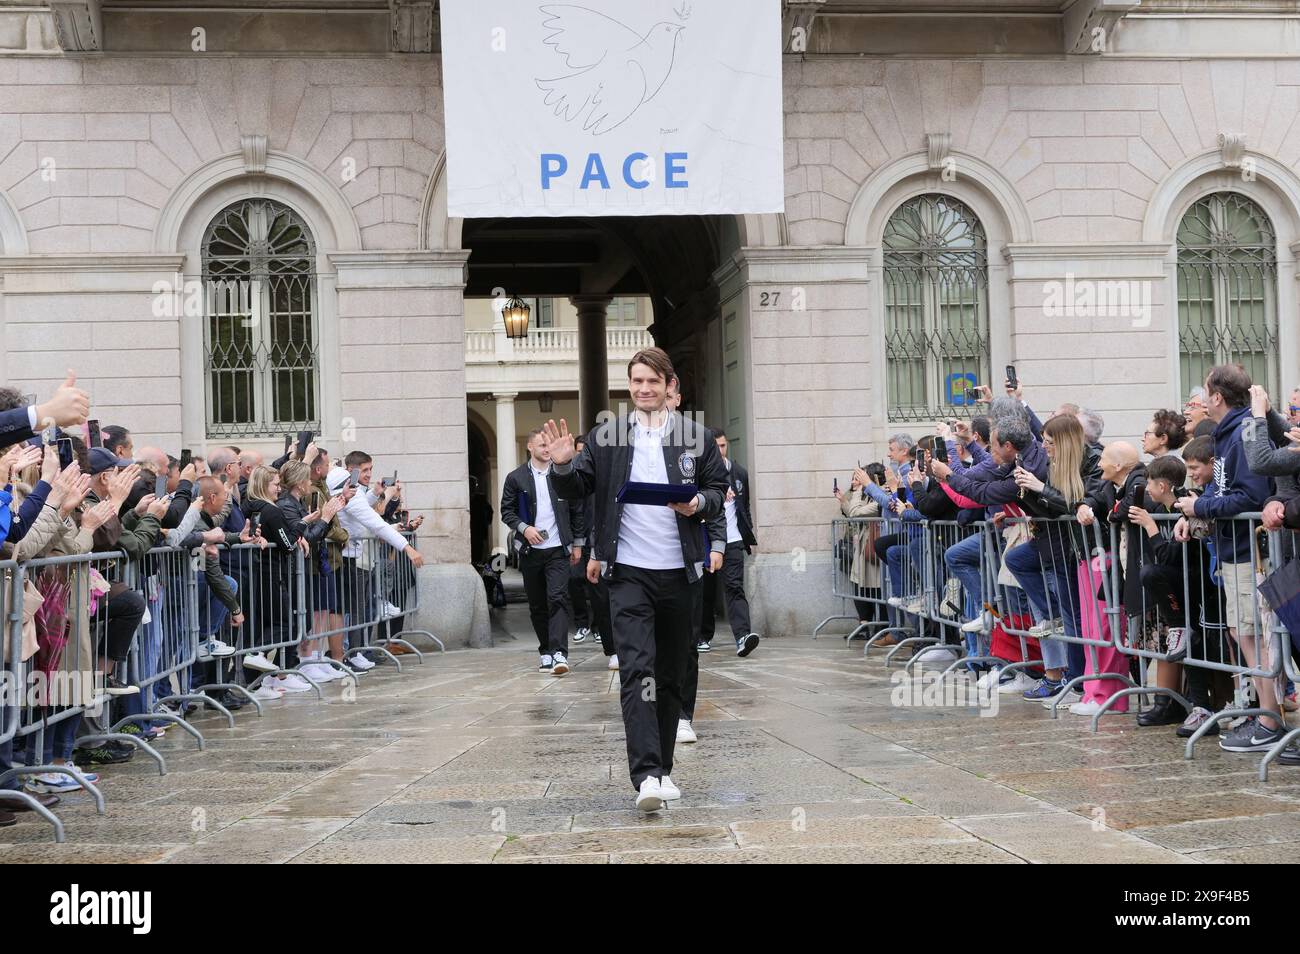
(1234, 490)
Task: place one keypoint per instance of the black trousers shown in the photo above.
(598, 597)
(652, 613)
(691, 678)
(732, 578)
(546, 582)
(115, 621)
(578, 595)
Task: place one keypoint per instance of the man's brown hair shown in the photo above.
(1231, 382)
(656, 359)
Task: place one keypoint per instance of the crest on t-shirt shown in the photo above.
(686, 463)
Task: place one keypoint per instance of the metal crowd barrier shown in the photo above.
(1067, 588)
(157, 620)
(1065, 556)
(846, 536)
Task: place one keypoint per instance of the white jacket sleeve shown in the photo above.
(374, 524)
(184, 528)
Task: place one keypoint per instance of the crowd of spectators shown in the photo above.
(1168, 523)
(111, 634)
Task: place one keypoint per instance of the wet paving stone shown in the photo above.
(475, 757)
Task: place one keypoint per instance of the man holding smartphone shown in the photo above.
(549, 537)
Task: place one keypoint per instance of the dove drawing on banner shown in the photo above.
(614, 69)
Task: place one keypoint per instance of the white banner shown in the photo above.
(622, 107)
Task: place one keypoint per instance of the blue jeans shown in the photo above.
(963, 560)
(1051, 585)
(211, 624)
(59, 740)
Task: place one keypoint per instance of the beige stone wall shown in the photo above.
(1078, 166)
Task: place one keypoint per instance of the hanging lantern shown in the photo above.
(515, 316)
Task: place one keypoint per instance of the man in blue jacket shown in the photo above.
(991, 482)
(1236, 490)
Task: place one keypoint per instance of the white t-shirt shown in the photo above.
(647, 535)
(733, 528)
(544, 518)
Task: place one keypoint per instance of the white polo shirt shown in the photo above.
(544, 518)
(733, 528)
(647, 535)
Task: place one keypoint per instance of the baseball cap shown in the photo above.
(102, 459)
(336, 480)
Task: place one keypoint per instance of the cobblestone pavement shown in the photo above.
(474, 756)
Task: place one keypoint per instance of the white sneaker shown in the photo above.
(259, 662)
(980, 624)
(388, 611)
(1089, 708)
(895, 601)
(361, 662)
(1177, 643)
(290, 683)
(613, 662)
(319, 672)
(938, 654)
(669, 790)
(218, 649)
(650, 798)
(546, 663)
(916, 607)
(267, 692)
(1046, 628)
(1020, 682)
(581, 635)
(560, 665)
(685, 733)
(1071, 698)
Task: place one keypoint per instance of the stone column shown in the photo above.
(593, 361)
(507, 459)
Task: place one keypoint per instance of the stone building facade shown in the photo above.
(1103, 194)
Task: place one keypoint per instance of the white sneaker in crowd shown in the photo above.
(685, 732)
(581, 635)
(980, 624)
(1046, 628)
(267, 692)
(613, 662)
(259, 662)
(546, 664)
(1089, 708)
(560, 665)
(1019, 683)
(668, 789)
(938, 655)
(650, 798)
(388, 611)
(361, 662)
(320, 672)
(290, 683)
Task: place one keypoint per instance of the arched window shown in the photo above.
(260, 329)
(1227, 290)
(936, 307)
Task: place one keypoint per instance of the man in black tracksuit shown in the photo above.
(548, 533)
(739, 530)
(654, 552)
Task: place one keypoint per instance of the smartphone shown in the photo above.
(93, 438)
(160, 486)
(971, 395)
(315, 500)
(941, 451)
(543, 534)
(186, 458)
(835, 485)
(927, 460)
(355, 477)
(288, 441)
(304, 438)
(1012, 381)
(255, 523)
(66, 454)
